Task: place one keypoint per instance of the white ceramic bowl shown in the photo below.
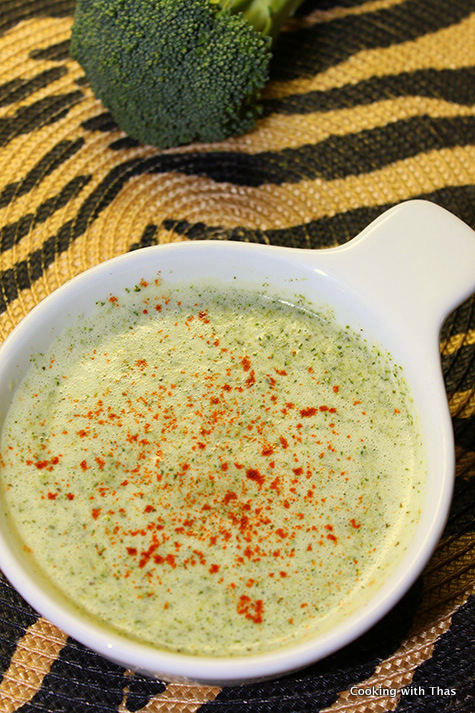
(397, 280)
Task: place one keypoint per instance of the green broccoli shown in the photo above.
(176, 71)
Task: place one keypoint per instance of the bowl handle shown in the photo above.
(416, 262)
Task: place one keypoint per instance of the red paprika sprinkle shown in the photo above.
(253, 610)
(310, 411)
(229, 496)
(170, 559)
(42, 464)
(246, 363)
(253, 474)
(251, 379)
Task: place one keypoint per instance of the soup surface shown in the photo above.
(212, 470)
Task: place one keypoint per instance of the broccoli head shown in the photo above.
(176, 71)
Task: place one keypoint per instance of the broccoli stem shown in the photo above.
(266, 16)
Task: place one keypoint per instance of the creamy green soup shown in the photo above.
(212, 470)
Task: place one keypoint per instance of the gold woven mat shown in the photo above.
(370, 103)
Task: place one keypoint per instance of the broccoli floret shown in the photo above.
(176, 71)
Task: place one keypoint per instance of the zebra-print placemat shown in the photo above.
(371, 103)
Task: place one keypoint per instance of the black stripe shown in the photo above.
(332, 158)
(452, 85)
(443, 683)
(15, 617)
(18, 89)
(56, 156)
(123, 144)
(329, 5)
(459, 367)
(101, 122)
(80, 681)
(24, 273)
(311, 50)
(12, 233)
(462, 516)
(457, 323)
(16, 12)
(328, 231)
(82, 81)
(148, 238)
(140, 692)
(320, 233)
(53, 53)
(34, 116)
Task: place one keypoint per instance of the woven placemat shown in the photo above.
(370, 103)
